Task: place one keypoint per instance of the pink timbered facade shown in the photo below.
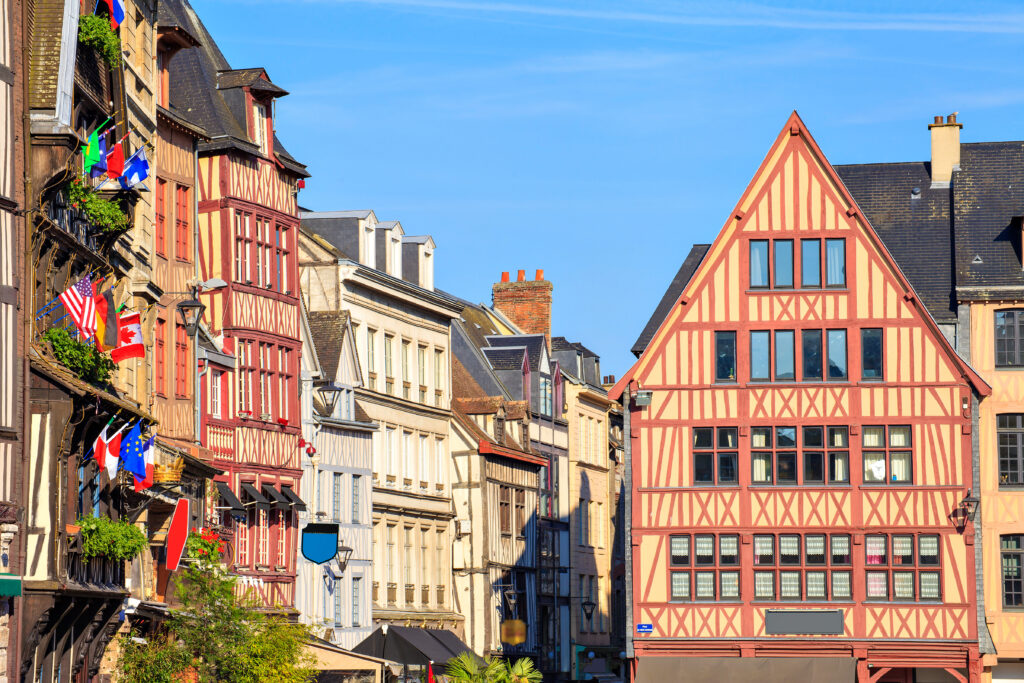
(247, 230)
(799, 438)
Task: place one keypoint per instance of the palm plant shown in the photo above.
(522, 671)
(467, 668)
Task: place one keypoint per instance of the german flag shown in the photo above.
(106, 319)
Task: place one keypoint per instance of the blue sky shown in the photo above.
(598, 140)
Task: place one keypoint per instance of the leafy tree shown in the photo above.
(217, 636)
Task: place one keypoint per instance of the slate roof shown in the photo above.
(534, 344)
(250, 78)
(328, 331)
(563, 344)
(505, 358)
(478, 325)
(196, 97)
(675, 288)
(172, 15)
(916, 229)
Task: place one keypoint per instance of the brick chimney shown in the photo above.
(527, 303)
(945, 149)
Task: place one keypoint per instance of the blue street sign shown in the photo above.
(645, 628)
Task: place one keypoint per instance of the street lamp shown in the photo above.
(329, 393)
(191, 311)
(969, 506)
(588, 608)
(343, 555)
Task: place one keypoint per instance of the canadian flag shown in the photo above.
(147, 457)
(105, 445)
(129, 338)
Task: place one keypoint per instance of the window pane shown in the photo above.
(837, 354)
(1013, 579)
(838, 437)
(903, 550)
(814, 547)
(812, 365)
(730, 585)
(703, 437)
(1007, 338)
(728, 549)
(1009, 542)
(813, 437)
(758, 263)
(783, 263)
(878, 585)
(874, 467)
(761, 437)
(928, 550)
(789, 549)
(764, 550)
(680, 585)
(706, 585)
(704, 468)
(840, 549)
(899, 437)
(784, 354)
(762, 468)
(704, 549)
(810, 263)
(839, 467)
(903, 585)
(815, 585)
(727, 437)
(725, 356)
(875, 549)
(929, 585)
(785, 468)
(680, 550)
(760, 356)
(840, 585)
(727, 468)
(814, 467)
(785, 437)
(874, 437)
(835, 268)
(764, 585)
(871, 353)
(789, 585)
(900, 462)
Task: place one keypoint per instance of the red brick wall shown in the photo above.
(527, 303)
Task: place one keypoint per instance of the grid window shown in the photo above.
(810, 263)
(783, 263)
(764, 550)
(789, 585)
(704, 550)
(871, 353)
(728, 550)
(928, 550)
(789, 549)
(729, 585)
(1010, 435)
(705, 585)
(160, 229)
(1009, 333)
(878, 585)
(725, 356)
(1012, 556)
(182, 228)
(813, 457)
(895, 573)
(775, 458)
(680, 551)
(841, 586)
(887, 452)
(814, 549)
(840, 549)
(903, 585)
(716, 575)
(903, 550)
(714, 456)
(838, 455)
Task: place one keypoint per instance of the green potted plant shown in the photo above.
(103, 537)
(106, 214)
(95, 32)
(79, 357)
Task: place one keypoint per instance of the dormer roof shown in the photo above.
(254, 79)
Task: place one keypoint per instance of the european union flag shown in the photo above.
(132, 458)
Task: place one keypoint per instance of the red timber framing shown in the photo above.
(255, 432)
(725, 461)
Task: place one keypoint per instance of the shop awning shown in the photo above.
(255, 497)
(413, 646)
(293, 498)
(279, 501)
(10, 585)
(232, 501)
(761, 669)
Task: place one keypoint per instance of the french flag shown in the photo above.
(147, 457)
(116, 8)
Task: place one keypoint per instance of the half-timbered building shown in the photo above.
(383, 279)
(799, 453)
(247, 229)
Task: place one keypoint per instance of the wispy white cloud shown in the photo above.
(729, 15)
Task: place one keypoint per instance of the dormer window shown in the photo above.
(546, 395)
(259, 127)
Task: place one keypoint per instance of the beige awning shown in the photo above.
(760, 669)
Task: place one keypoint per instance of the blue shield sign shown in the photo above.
(320, 542)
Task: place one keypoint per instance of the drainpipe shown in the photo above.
(627, 436)
(196, 392)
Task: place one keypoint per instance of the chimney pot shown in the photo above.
(540, 274)
(951, 118)
(937, 119)
(945, 150)
(504, 276)
(521, 276)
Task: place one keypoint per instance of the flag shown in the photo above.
(147, 457)
(99, 167)
(107, 446)
(80, 305)
(129, 338)
(91, 151)
(116, 8)
(131, 452)
(114, 452)
(430, 671)
(115, 161)
(106, 320)
(136, 170)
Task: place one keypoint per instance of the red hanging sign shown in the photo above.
(178, 533)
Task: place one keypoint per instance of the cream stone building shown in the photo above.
(383, 279)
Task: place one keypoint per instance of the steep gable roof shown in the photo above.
(675, 288)
(328, 330)
(795, 154)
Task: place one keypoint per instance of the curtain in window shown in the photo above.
(729, 546)
(900, 464)
(680, 549)
(762, 467)
(764, 585)
(815, 547)
(840, 585)
(903, 585)
(874, 547)
(874, 467)
(760, 438)
(874, 437)
(929, 585)
(763, 550)
(680, 585)
(840, 467)
(928, 548)
(877, 587)
(705, 548)
(815, 584)
(759, 264)
(836, 262)
(789, 546)
(730, 584)
(899, 437)
(902, 546)
(789, 584)
(705, 584)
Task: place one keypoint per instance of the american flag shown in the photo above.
(81, 307)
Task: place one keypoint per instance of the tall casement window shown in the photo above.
(357, 597)
(216, 377)
(835, 263)
(160, 357)
(784, 355)
(583, 522)
(160, 227)
(810, 263)
(259, 126)
(1009, 336)
(336, 480)
(421, 372)
(1010, 432)
(871, 354)
(822, 456)
(836, 359)
(357, 482)
(545, 395)
(725, 356)
(1012, 555)
(714, 456)
(439, 375)
(783, 253)
(811, 345)
(902, 567)
(281, 264)
(371, 358)
(182, 224)
(264, 253)
(244, 371)
(822, 355)
(181, 369)
(406, 369)
(243, 247)
(758, 264)
(389, 370)
(887, 455)
(704, 567)
(284, 381)
(808, 567)
(505, 510)
(760, 356)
